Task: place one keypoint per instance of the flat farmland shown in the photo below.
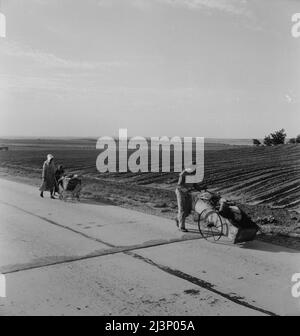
(268, 175)
(264, 178)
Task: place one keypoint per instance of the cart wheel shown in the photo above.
(211, 226)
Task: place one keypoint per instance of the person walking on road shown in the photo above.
(48, 177)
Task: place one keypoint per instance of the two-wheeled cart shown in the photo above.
(214, 225)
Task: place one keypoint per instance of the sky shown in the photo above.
(211, 68)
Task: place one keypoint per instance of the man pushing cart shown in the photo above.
(216, 216)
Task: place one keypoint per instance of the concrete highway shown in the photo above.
(64, 258)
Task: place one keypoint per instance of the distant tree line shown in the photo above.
(276, 138)
(295, 140)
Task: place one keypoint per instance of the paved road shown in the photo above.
(62, 258)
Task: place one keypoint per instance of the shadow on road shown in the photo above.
(267, 247)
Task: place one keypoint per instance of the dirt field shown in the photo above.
(265, 181)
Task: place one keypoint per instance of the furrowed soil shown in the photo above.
(264, 181)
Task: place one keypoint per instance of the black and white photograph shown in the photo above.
(149, 161)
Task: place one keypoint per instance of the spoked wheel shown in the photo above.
(211, 226)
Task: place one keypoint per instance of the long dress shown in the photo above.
(48, 177)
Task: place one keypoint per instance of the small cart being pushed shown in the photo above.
(69, 187)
